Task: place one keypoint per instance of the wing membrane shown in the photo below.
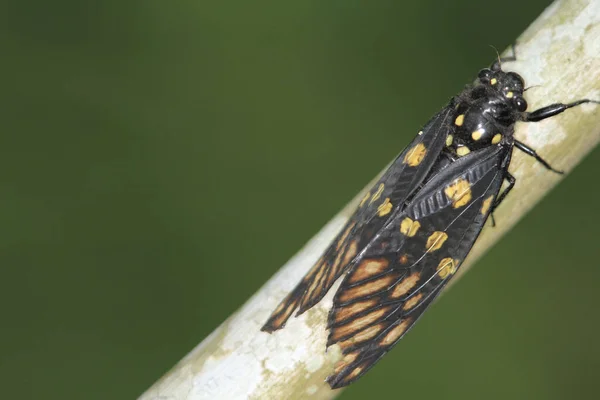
(410, 261)
(386, 197)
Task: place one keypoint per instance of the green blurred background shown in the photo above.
(162, 159)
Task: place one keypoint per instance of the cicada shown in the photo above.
(413, 230)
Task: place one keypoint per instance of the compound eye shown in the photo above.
(519, 83)
(521, 104)
(485, 75)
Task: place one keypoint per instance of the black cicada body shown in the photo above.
(415, 227)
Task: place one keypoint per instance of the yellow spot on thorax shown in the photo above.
(487, 203)
(377, 194)
(459, 120)
(409, 227)
(384, 208)
(459, 192)
(447, 267)
(493, 81)
(463, 151)
(436, 240)
(415, 155)
(449, 140)
(476, 135)
(510, 95)
(497, 138)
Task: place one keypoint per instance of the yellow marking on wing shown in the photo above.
(342, 249)
(347, 311)
(459, 120)
(447, 267)
(280, 320)
(355, 372)
(497, 138)
(413, 301)
(313, 270)
(368, 288)
(384, 208)
(510, 95)
(358, 324)
(350, 252)
(449, 140)
(459, 192)
(487, 203)
(344, 362)
(362, 336)
(377, 194)
(364, 199)
(395, 333)
(436, 240)
(342, 239)
(406, 285)
(279, 308)
(315, 282)
(415, 155)
(336, 263)
(476, 135)
(463, 151)
(409, 227)
(369, 268)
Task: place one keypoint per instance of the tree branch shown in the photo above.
(560, 52)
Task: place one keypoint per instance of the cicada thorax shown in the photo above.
(485, 113)
(476, 127)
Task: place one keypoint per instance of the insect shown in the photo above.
(414, 228)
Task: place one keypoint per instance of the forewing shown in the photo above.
(412, 258)
(400, 180)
